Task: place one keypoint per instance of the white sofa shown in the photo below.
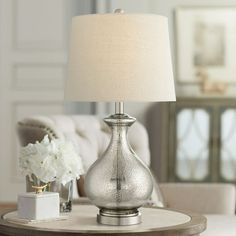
(91, 136)
(215, 201)
(202, 198)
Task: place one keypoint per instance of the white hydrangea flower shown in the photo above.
(51, 160)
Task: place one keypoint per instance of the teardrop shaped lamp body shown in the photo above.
(119, 183)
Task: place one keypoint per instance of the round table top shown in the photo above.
(82, 221)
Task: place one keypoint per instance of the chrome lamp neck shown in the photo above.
(119, 108)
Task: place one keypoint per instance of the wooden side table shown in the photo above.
(82, 221)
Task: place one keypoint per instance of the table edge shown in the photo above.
(199, 221)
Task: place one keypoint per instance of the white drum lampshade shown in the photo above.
(120, 57)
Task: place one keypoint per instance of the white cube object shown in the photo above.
(40, 206)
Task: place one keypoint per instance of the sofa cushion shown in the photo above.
(202, 198)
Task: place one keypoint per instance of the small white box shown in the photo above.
(39, 206)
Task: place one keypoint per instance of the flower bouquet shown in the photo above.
(52, 165)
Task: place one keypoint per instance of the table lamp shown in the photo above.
(119, 57)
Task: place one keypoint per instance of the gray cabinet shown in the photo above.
(201, 140)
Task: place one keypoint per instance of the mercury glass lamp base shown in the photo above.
(119, 218)
(125, 183)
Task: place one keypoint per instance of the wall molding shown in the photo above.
(25, 76)
(36, 45)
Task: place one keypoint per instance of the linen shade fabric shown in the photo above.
(120, 57)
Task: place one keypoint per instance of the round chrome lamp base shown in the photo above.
(119, 219)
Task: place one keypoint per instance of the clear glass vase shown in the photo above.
(65, 194)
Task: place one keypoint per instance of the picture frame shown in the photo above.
(206, 45)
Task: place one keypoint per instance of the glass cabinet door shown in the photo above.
(228, 144)
(201, 140)
(192, 144)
